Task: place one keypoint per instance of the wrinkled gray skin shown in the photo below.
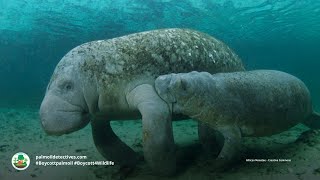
(252, 103)
(114, 80)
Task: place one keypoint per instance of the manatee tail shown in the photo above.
(313, 121)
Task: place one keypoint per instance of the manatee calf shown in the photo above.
(114, 80)
(252, 103)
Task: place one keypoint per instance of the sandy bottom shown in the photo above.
(20, 131)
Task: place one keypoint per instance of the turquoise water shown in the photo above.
(35, 34)
(266, 34)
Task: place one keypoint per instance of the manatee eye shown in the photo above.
(184, 85)
(68, 86)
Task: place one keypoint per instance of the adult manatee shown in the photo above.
(114, 79)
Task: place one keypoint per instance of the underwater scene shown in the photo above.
(159, 89)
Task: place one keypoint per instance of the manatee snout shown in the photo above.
(164, 87)
(60, 117)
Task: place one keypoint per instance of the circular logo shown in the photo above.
(20, 161)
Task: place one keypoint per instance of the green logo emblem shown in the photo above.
(20, 161)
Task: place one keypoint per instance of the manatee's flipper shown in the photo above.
(110, 146)
(313, 121)
(231, 146)
(158, 143)
(210, 139)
